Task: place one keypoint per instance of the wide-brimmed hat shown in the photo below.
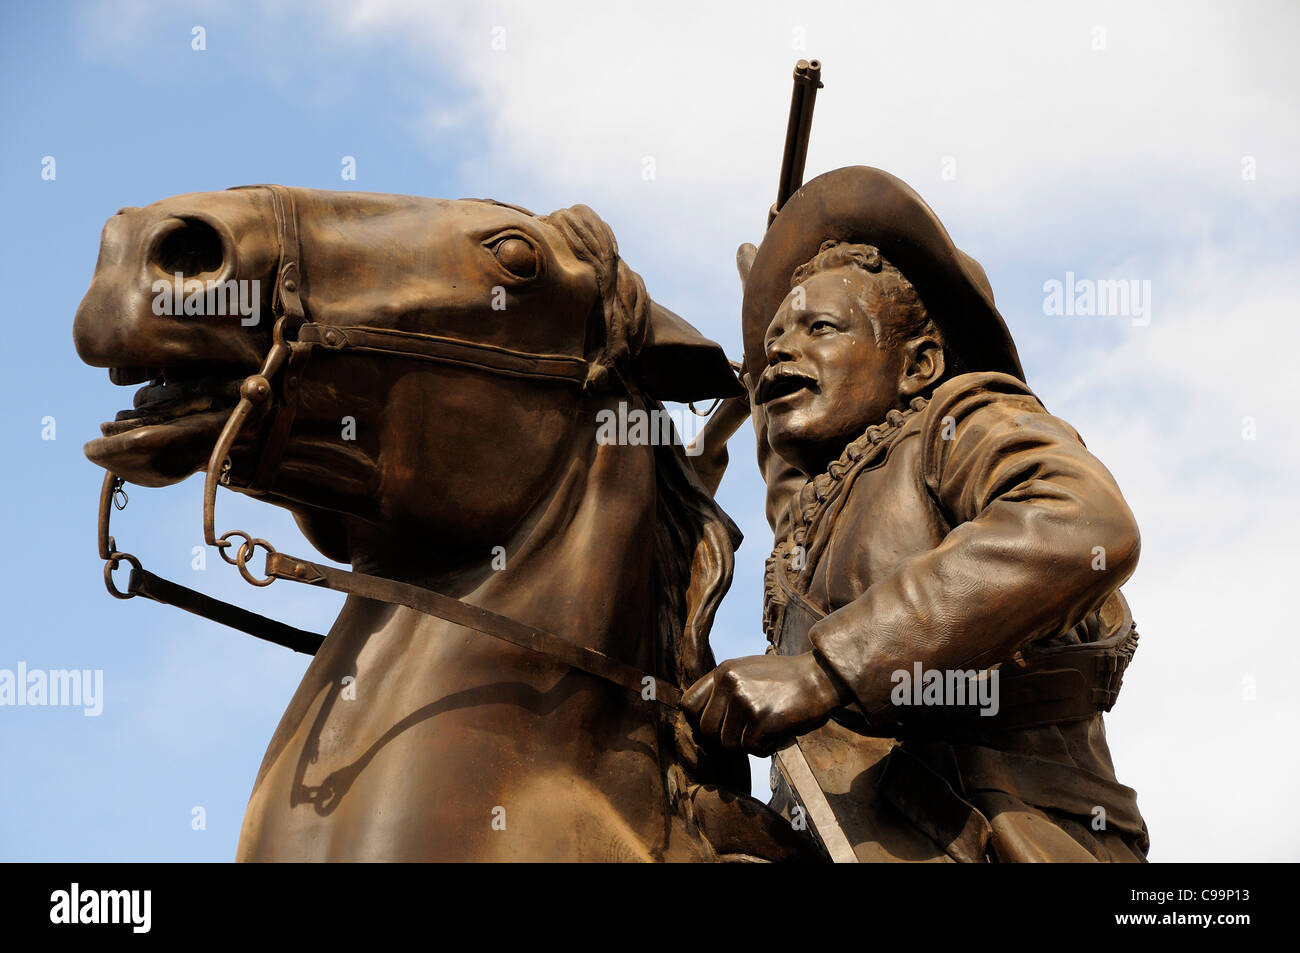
(867, 206)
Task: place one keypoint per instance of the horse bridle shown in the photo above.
(275, 387)
(295, 337)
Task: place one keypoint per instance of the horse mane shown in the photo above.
(694, 539)
(686, 515)
(690, 528)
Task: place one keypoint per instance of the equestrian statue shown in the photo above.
(522, 668)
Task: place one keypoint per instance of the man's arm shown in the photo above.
(1032, 513)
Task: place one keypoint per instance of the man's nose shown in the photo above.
(781, 348)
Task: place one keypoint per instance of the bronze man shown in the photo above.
(943, 600)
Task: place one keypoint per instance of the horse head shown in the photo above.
(419, 382)
(527, 318)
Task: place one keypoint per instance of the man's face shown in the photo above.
(827, 379)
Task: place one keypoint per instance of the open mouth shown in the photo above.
(172, 393)
(170, 431)
(782, 381)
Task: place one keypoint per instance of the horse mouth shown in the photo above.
(173, 424)
(175, 393)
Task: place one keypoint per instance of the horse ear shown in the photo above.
(677, 362)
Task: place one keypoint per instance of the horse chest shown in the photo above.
(473, 748)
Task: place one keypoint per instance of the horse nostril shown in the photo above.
(192, 247)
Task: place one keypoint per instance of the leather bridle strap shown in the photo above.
(144, 583)
(287, 304)
(431, 347)
(168, 593)
(283, 566)
(297, 337)
(287, 307)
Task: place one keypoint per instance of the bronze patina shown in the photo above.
(943, 600)
(522, 669)
(525, 602)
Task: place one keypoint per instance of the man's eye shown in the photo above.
(821, 325)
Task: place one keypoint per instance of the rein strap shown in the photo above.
(283, 566)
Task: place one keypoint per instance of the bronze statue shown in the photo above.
(522, 669)
(424, 403)
(943, 600)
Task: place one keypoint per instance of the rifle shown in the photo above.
(807, 80)
(790, 760)
(711, 461)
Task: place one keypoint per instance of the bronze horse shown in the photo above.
(476, 474)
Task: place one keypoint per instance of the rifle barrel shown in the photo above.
(807, 80)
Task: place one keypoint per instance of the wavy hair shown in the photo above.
(618, 329)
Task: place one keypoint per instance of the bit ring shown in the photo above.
(114, 560)
(246, 552)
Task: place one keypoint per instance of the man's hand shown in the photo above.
(762, 702)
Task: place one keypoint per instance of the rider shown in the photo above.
(933, 522)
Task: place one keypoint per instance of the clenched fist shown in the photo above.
(762, 702)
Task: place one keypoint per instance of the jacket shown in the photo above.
(972, 533)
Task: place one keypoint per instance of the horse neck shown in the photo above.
(580, 564)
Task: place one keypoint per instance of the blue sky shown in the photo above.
(1153, 145)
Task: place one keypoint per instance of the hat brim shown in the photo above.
(868, 206)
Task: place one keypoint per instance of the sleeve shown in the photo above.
(1040, 537)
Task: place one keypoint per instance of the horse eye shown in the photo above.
(517, 256)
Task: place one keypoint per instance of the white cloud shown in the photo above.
(1213, 591)
(1022, 100)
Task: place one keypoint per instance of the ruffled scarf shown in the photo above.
(814, 511)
